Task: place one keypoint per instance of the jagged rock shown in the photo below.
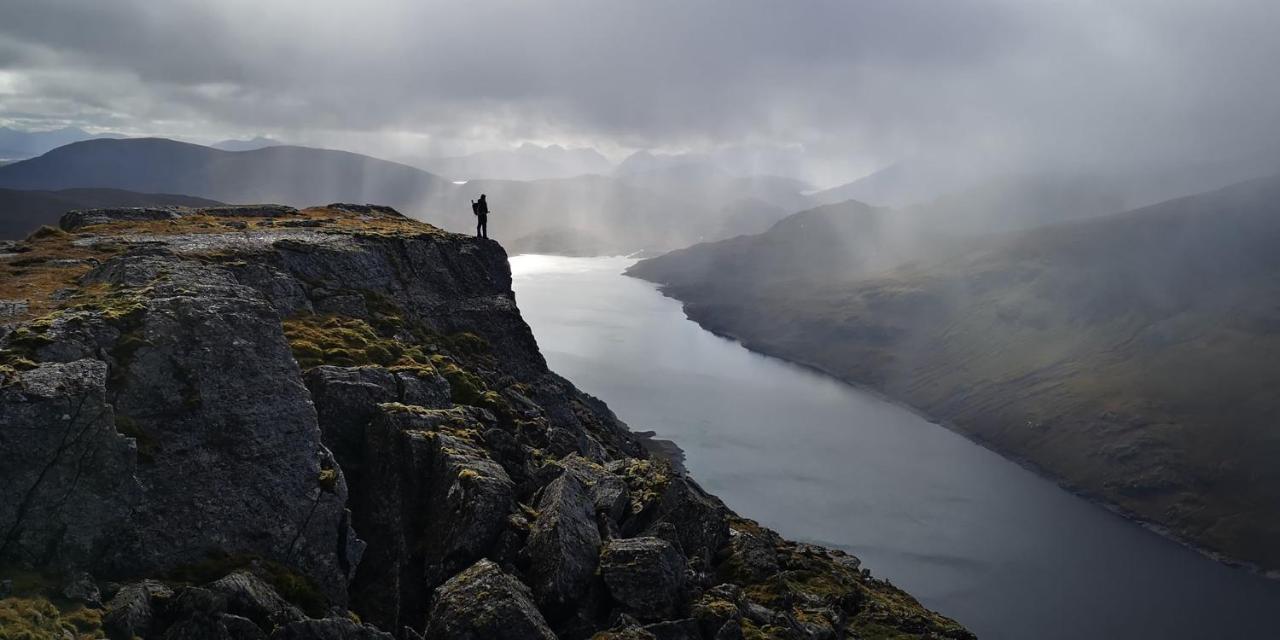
(249, 211)
(73, 220)
(241, 628)
(460, 502)
(329, 629)
(347, 399)
(718, 612)
(9, 308)
(249, 596)
(67, 482)
(699, 520)
(484, 603)
(221, 626)
(80, 587)
(192, 601)
(130, 613)
(564, 544)
(646, 575)
(751, 555)
(608, 491)
(207, 371)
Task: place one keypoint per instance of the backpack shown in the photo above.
(475, 208)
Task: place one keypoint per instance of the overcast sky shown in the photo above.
(858, 82)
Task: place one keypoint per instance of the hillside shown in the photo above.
(253, 421)
(632, 213)
(1134, 357)
(22, 212)
(291, 175)
(18, 145)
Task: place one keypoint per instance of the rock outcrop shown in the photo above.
(260, 422)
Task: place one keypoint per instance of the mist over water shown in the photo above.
(969, 533)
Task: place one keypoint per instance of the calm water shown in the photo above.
(972, 535)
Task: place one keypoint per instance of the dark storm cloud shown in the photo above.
(1086, 81)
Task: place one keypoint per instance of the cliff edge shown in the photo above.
(256, 421)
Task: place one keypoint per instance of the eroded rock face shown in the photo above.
(69, 480)
(434, 503)
(260, 419)
(483, 602)
(564, 543)
(645, 575)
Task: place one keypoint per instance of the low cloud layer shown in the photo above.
(856, 84)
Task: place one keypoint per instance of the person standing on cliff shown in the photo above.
(481, 209)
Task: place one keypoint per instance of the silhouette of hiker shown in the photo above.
(481, 210)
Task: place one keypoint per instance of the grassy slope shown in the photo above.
(1135, 357)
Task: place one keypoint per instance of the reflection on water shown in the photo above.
(972, 535)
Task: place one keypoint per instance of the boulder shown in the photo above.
(608, 491)
(80, 587)
(564, 544)
(645, 575)
(485, 603)
(131, 613)
(249, 596)
(74, 220)
(752, 557)
(700, 520)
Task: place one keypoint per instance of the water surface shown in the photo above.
(970, 534)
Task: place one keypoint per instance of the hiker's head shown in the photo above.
(482, 196)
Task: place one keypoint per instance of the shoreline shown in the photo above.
(1026, 463)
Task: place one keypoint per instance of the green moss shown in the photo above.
(647, 480)
(329, 479)
(40, 619)
(347, 342)
(468, 343)
(387, 316)
(464, 386)
(26, 340)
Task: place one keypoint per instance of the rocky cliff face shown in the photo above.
(243, 422)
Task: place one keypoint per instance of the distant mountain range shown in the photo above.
(1135, 357)
(624, 214)
(650, 202)
(19, 145)
(21, 212)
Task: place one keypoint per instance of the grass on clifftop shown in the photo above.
(51, 260)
